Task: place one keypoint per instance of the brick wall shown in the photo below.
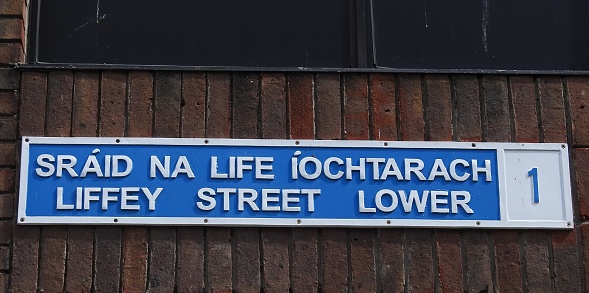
(297, 106)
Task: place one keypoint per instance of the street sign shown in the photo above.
(232, 182)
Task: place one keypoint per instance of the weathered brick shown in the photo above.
(467, 107)
(335, 260)
(193, 104)
(392, 262)
(328, 111)
(478, 262)
(140, 113)
(11, 7)
(273, 96)
(219, 258)
(33, 100)
(247, 260)
(7, 154)
(362, 257)
(10, 53)
(5, 231)
(581, 158)
(107, 258)
(7, 179)
(245, 105)
(507, 261)
(525, 115)
(439, 107)
(25, 257)
(52, 258)
(135, 250)
(384, 108)
(162, 260)
(112, 111)
(566, 261)
(8, 127)
(578, 91)
(537, 261)
(497, 123)
(420, 274)
(85, 104)
(584, 230)
(11, 29)
(275, 262)
(550, 93)
(449, 260)
(80, 249)
(168, 93)
(4, 281)
(411, 118)
(356, 106)
(9, 102)
(6, 206)
(219, 105)
(59, 103)
(4, 257)
(300, 105)
(304, 260)
(191, 259)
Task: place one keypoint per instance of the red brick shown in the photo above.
(7, 154)
(300, 105)
(468, 107)
(581, 158)
(80, 250)
(6, 206)
(328, 111)
(52, 258)
(245, 105)
(140, 115)
(219, 258)
(5, 232)
(162, 260)
(335, 260)
(25, 257)
(59, 103)
(304, 260)
(135, 249)
(524, 108)
(384, 108)
(273, 95)
(107, 259)
(10, 53)
(439, 107)
(219, 105)
(356, 106)
(112, 111)
(578, 91)
(4, 281)
(392, 262)
(566, 261)
(168, 93)
(507, 261)
(497, 121)
(4, 258)
(190, 259)
(362, 257)
(478, 262)
(194, 87)
(8, 127)
(419, 271)
(584, 230)
(32, 108)
(276, 260)
(11, 29)
(411, 118)
(9, 102)
(7, 180)
(537, 261)
(246, 259)
(449, 260)
(11, 7)
(85, 104)
(550, 93)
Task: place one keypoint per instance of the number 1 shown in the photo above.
(534, 174)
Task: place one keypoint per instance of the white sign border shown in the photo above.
(504, 222)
